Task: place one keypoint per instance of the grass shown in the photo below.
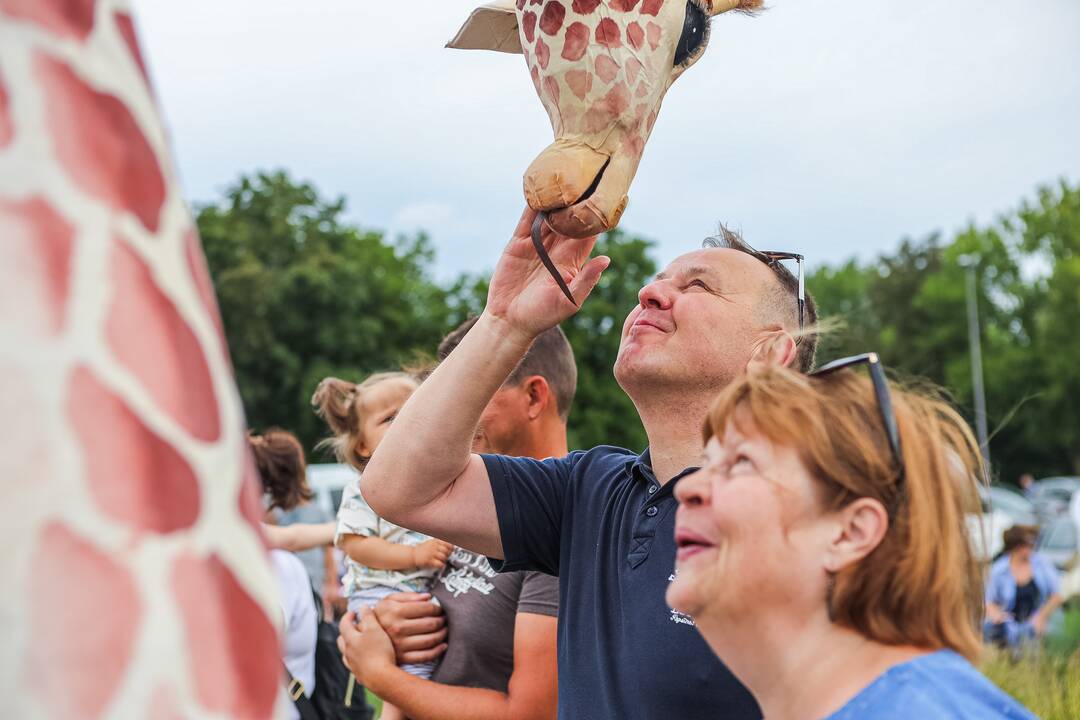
(1047, 683)
(374, 702)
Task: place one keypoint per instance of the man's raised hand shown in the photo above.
(522, 293)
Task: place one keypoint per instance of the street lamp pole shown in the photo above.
(978, 393)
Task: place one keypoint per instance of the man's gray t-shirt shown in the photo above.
(481, 608)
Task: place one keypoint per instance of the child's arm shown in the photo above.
(379, 554)
(300, 537)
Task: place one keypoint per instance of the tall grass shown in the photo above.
(1047, 682)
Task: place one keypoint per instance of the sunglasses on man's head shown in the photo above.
(881, 392)
(772, 258)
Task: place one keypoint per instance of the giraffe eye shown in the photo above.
(695, 34)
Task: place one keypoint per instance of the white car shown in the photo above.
(328, 481)
(1001, 509)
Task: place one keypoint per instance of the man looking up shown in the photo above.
(602, 520)
(500, 661)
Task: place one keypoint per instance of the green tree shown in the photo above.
(1049, 229)
(304, 295)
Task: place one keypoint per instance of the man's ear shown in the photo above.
(774, 346)
(861, 526)
(539, 393)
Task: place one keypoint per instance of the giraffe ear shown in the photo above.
(746, 6)
(490, 27)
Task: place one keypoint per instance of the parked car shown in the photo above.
(1059, 541)
(1001, 509)
(1016, 506)
(1051, 496)
(328, 481)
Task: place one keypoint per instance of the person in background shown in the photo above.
(1027, 485)
(319, 561)
(822, 551)
(501, 662)
(382, 558)
(1022, 592)
(279, 459)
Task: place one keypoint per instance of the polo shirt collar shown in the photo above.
(642, 469)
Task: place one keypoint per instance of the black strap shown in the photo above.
(538, 245)
(303, 703)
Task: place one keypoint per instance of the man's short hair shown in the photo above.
(782, 298)
(550, 357)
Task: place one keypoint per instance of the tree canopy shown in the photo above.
(305, 294)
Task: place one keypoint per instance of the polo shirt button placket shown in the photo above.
(653, 489)
(651, 511)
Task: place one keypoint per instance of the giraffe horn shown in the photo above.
(745, 6)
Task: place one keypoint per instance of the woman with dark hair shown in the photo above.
(825, 561)
(1023, 591)
(279, 458)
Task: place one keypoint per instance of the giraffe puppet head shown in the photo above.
(601, 68)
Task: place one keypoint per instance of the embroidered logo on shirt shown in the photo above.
(676, 616)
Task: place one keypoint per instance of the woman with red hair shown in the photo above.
(822, 550)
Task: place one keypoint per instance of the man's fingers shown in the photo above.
(368, 621)
(524, 226)
(347, 626)
(584, 282)
(421, 642)
(419, 657)
(405, 629)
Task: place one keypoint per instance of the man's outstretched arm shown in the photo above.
(423, 475)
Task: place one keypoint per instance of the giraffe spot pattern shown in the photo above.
(606, 68)
(126, 27)
(520, 4)
(584, 7)
(82, 641)
(250, 497)
(579, 82)
(617, 100)
(7, 126)
(633, 68)
(551, 85)
(652, 7)
(528, 26)
(152, 341)
(65, 18)
(134, 476)
(99, 144)
(37, 251)
(200, 274)
(543, 53)
(551, 19)
(608, 33)
(635, 36)
(575, 41)
(624, 5)
(653, 31)
(233, 655)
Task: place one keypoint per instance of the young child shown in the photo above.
(381, 558)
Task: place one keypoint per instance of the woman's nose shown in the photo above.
(692, 489)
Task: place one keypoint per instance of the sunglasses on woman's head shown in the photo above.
(881, 392)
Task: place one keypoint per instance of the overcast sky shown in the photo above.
(830, 128)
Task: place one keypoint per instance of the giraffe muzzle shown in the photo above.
(573, 182)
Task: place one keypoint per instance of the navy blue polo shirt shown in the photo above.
(601, 522)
